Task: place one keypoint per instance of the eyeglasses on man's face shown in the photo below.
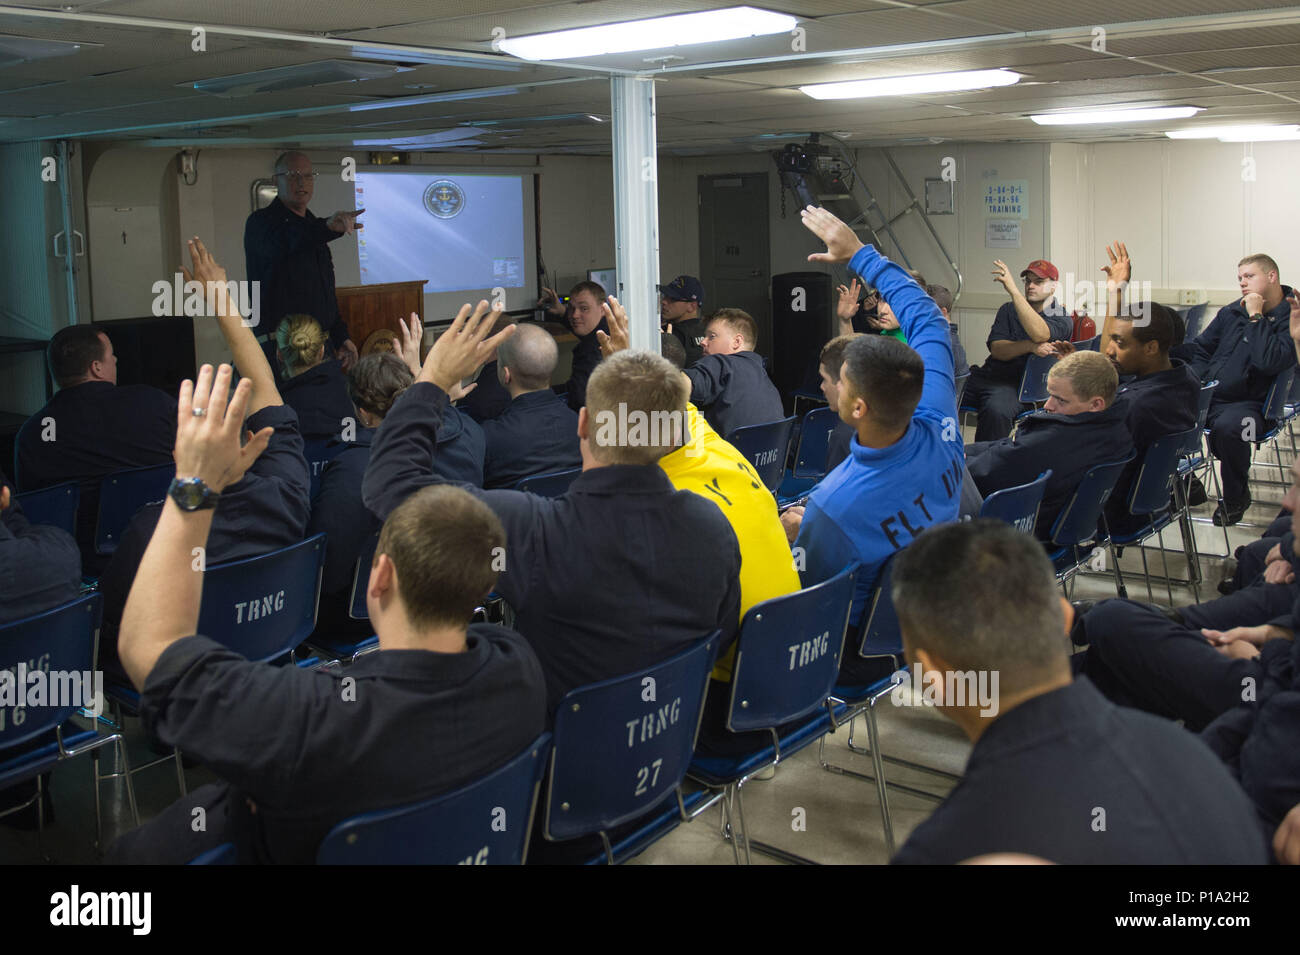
(299, 177)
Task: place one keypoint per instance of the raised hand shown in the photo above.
(618, 338)
(1120, 269)
(463, 347)
(344, 222)
(848, 303)
(208, 429)
(1003, 274)
(842, 243)
(206, 268)
(212, 276)
(1294, 301)
(550, 301)
(459, 391)
(409, 342)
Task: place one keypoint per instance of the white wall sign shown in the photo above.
(1001, 233)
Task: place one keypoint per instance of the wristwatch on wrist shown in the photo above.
(191, 494)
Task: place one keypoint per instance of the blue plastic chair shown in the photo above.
(123, 493)
(56, 506)
(1275, 412)
(959, 389)
(1193, 319)
(318, 454)
(964, 407)
(1033, 383)
(486, 822)
(223, 854)
(1150, 496)
(810, 454)
(1196, 457)
(261, 607)
(1079, 519)
(787, 659)
(1017, 506)
(555, 484)
(880, 636)
(766, 447)
(348, 648)
(617, 757)
(1089, 344)
(813, 397)
(357, 609)
(1203, 401)
(64, 640)
(1291, 412)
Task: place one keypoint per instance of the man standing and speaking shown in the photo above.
(286, 248)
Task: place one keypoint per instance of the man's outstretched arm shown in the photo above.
(163, 605)
(401, 457)
(919, 317)
(249, 357)
(1033, 323)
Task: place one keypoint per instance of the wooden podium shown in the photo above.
(367, 308)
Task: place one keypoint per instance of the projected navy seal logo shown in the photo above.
(444, 199)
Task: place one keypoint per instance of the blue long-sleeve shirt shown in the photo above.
(879, 499)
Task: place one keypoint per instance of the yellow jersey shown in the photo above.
(713, 469)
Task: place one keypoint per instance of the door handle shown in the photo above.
(79, 247)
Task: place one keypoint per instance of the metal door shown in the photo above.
(734, 251)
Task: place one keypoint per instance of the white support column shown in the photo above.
(636, 206)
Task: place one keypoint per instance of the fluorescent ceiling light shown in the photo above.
(710, 26)
(1237, 134)
(1261, 136)
(1080, 117)
(913, 85)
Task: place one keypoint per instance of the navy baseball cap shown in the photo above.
(684, 288)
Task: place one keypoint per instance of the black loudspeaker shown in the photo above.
(153, 351)
(803, 320)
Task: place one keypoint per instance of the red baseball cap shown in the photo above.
(1042, 268)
